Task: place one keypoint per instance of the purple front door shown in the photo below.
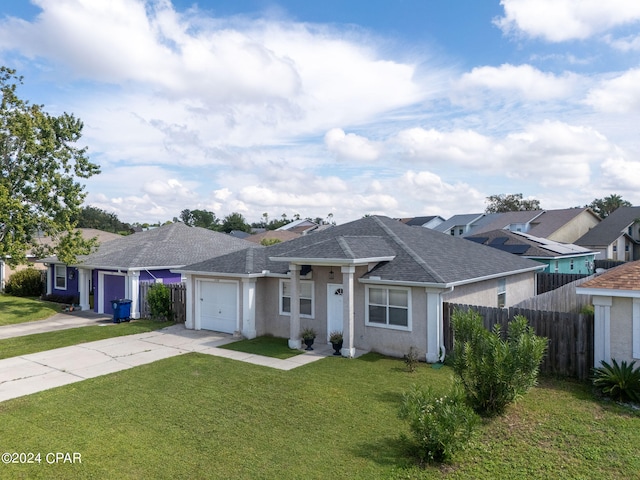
(113, 290)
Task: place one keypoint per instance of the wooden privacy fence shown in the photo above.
(550, 281)
(178, 293)
(562, 299)
(570, 336)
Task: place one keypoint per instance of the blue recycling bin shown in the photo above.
(121, 310)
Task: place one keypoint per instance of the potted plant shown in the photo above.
(335, 338)
(308, 335)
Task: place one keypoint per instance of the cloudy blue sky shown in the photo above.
(395, 107)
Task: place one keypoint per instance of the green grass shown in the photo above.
(20, 309)
(267, 346)
(198, 416)
(13, 347)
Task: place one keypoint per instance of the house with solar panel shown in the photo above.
(559, 257)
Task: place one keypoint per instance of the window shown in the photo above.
(61, 277)
(502, 292)
(388, 307)
(306, 298)
(556, 267)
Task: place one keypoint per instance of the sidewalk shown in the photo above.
(59, 321)
(53, 368)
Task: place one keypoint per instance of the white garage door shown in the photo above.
(219, 306)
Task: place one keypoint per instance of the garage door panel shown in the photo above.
(218, 306)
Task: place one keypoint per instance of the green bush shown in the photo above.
(495, 372)
(620, 382)
(159, 300)
(441, 425)
(25, 283)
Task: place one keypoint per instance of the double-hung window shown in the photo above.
(305, 294)
(389, 307)
(502, 292)
(60, 273)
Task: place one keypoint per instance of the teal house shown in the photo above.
(559, 257)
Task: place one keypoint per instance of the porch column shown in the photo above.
(434, 326)
(132, 291)
(601, 330)
(191, 302)
(50, 268)
(348, 330)
(249, 308)
(83, 287)
(294, 325)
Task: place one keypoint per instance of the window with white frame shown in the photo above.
(60, 274)
(305, 294)
(389, 307)
(502, 292)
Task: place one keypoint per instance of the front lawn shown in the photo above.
(38, 342)
(198, 416)
(20, 309)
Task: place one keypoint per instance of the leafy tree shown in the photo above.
(605, 206)
(512, 202)
(200, 218)
(39, 165)
(267, 242)
(92, 217)
(235, 221)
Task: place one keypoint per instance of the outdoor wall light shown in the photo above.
(71, 274)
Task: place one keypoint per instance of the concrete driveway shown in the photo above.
(59, 321)
(36, 372)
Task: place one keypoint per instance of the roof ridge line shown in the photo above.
(409, 250)
(345, 246)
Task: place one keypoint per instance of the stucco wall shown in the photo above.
(621, 329)
(575, 229)
(485, 293)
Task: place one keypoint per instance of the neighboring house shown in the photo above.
(566, 225)
(116, 269)
(617, 237)
(87, 233)
(459, 225)
(301, 227)
(380, 282)
(559, 257)
(616, 301)
(280, 235)
(427, 222)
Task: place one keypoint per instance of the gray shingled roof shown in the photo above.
(171, 245)
(610, 228)
(420, 254)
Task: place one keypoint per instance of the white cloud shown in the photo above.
(622, 176)
(562, 20)
(618, 95)
(350, 146)
(551, 153)
(625, 44)
(522, 82)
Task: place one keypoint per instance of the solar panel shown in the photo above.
(499, 241)
(477, 239)
(515, 249)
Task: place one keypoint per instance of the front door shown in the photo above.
(334, 308)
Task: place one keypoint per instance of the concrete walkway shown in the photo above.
(36, 372)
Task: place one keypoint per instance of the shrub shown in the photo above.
(159, 300)
(25, 283)
(495, 372)
(411, 359)
(620, 382)
(441, 425)
(58, 298)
